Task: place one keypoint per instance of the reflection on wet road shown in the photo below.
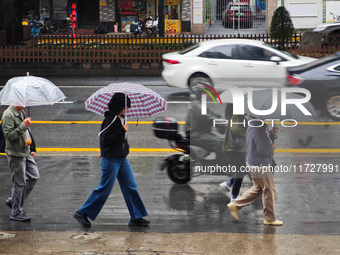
(306, 202)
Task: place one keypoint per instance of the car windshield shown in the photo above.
(287, 53)
(185, 51)
(239, 7)
(317, 62)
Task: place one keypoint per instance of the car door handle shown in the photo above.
(248, 65)
(212, 63)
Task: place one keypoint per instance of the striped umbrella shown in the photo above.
(144, 102)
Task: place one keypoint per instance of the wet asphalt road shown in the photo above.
(141, 136)
(308, 203)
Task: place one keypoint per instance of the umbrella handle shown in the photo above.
(272, 136)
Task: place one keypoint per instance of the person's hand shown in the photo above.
(27, 122)
(126, 128)
(275, 130)
(274, 146)
(32, 153)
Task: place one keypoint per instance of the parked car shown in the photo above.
(322, 79)
(241, 62)
(332, 32)
(238, 13)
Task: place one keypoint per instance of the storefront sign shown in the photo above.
(172, 26)
(125, 13)
(103, 3)
(73, 16)
(198, 11)
(172, 2)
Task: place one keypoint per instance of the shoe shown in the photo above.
(232, 199)
(139, 222)
(274, 223)
(20, 217)
(225, 187)
(82, 219)
(9, 202)
(233, 210)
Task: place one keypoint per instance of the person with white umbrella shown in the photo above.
(19, 93)
(20, 150)
(114, 149)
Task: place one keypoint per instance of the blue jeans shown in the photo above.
(113, 168)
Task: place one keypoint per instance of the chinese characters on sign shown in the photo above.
(198, 11)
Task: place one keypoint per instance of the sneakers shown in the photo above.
(232, 199)
(233, 210)
(20, 217)
(274, 223)
(139, 223)
(225, 187)
(9, 202)
(82, 219)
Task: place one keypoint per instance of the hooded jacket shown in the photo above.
(112, 141)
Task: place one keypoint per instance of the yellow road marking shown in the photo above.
(179, 122)
(320, 150)
(95, 122)
(307, 150)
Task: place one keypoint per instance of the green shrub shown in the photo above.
(281, 27)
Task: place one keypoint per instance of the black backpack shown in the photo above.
(2, 141)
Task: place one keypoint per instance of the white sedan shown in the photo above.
(240, 62)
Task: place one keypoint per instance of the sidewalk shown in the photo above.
(134, 243)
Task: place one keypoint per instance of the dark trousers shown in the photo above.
(237, 159)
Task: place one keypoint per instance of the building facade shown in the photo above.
(92, 13)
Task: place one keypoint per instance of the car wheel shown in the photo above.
(199, 78)
(332, 105)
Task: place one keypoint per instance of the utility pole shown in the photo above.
(161, 18)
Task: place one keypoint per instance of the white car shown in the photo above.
(240, 62)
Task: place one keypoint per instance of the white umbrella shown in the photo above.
(30, 91)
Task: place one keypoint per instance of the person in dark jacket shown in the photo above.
(236, 153)
(114, 150)
(259, 158)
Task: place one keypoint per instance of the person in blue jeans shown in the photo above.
(114, 150)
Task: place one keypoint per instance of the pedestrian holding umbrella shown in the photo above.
(260, 151)
(21, 92)
(116, 102)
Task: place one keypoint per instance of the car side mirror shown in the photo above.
(276, 59)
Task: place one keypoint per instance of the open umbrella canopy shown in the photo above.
(30, 91)
(144, 101)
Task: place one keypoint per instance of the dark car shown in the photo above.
(238, 13)
(322, 79)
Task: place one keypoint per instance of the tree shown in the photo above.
(281, 27)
